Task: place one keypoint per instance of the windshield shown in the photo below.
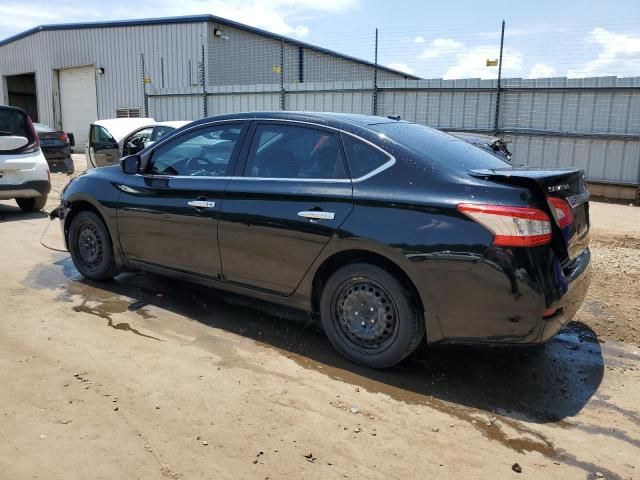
(160, 131)
(439, 147)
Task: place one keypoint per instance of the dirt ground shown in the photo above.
(149, 378)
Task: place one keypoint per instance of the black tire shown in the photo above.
(369, 316)
(33, 204)
(91, 248)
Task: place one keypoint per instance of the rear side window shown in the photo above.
(287, 151)
(362, 158)
(14, 123)
(439, 147)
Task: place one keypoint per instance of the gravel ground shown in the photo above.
(151, 378)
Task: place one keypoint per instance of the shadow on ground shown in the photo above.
(541, 384)
(9, 213)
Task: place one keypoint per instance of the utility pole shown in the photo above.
(497, 117)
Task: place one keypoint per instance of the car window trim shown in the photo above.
(233, 160)
(249, 126)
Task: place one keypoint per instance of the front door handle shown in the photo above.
(201, 204)
(317, 215)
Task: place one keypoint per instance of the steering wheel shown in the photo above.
(198, 165)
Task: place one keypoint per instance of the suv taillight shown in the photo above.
(511, 226)
(561, 211)
(63, 137)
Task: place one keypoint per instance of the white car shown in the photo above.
(161, 129)
(111, 139)
(24, 172)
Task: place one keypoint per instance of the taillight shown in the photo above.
(561, 211)
(511, 226)
(34, 146)
(63, 137)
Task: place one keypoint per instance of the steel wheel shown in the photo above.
(366, 314)
(370, 316)
(90, 246)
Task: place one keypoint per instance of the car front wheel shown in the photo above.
(33, 204)
(90, 247)
(369, 316)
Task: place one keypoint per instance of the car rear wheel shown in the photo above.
(369, 316)
(33, 204)
(90, 247)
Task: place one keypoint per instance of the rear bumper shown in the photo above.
(577, 285)
(33, 188)
(58, 158)
(501, 299)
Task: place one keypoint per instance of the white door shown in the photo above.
(78, 103)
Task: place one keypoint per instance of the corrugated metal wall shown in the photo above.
(592, 124)
(117, 50)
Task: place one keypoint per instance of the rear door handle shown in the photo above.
(317, 215)
(201, 204)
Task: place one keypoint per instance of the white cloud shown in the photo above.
(472, 63)
(542, 70)
(440, 47)
(619, 55)
(401, 67)
(286, 17)
(419, 39)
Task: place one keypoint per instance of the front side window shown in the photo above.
(203, 152)
(100, 135)
(288, 151)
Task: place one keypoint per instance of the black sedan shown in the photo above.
(390, 232)
(56, 147)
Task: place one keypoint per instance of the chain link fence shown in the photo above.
(565, 94)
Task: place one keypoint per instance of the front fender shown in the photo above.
(98, 192)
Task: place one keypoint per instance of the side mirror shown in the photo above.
(12, 142)
(130, 164)
(72, 139)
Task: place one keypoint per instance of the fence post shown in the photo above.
(496, 124)
(162, 72)
(203, 82)
(375, 76)
(145, 96)
(282, 92)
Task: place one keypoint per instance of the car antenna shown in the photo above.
(393, 117)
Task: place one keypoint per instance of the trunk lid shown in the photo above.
(568, 184)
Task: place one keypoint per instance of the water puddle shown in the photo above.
(493, 389)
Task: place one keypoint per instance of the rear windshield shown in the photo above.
(14, 123)
(439, 147)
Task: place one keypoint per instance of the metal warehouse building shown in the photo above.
(70, 75)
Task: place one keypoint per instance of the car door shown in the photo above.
(283, 206)
(168, 214)
(103, 148)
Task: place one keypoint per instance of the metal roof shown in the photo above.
(194, 19)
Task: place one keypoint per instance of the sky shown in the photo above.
(431, 39)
